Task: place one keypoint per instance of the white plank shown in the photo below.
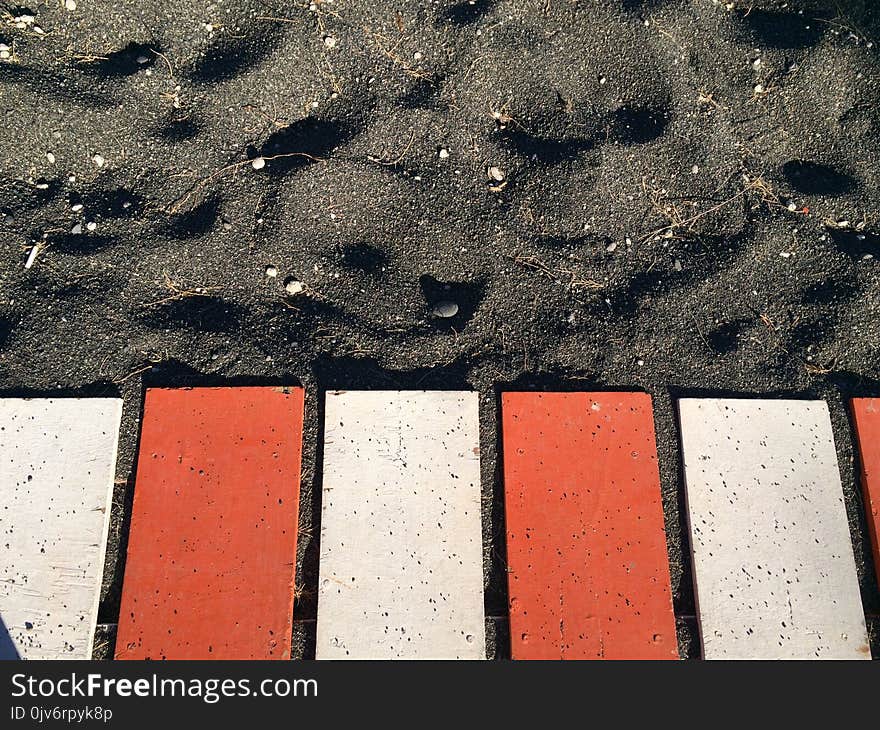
(774, 572)
(57, 467)
(401, 572)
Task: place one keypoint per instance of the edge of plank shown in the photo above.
(105, 533)
(860, 409)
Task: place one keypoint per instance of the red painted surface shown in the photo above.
(588, 572)
(866, 412)
(212, 545)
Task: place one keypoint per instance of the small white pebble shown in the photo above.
(611, 247)
(677, 265)
(271, 271)
(70, 4)
(77, 229)
(792, 206)
(495, 173)
(443, 153)
(98, 160)
(759, 88)
(417, 56)
(329, 41)
(294, 287)
(445, 309)
(640, 363)
(50, 157)
(258, 163)
(695, 170)
(76, 207)
(32, 256)
(209, 28)
(785, 254)
(91, 225)
(142, 59)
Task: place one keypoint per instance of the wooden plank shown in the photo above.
(57, 468)
(866, 414)
(401, 573)
(212, 545)
(774, 571)
(588, 572)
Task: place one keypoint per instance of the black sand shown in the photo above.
(686, 202)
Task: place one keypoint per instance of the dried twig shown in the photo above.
(167, 62)
(396, 160)
(680, 225)
(178, 292)
(144, 369)
(182, 200)
(556, 275)
(389, 50)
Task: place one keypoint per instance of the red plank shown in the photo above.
(212, 545)
(866, 412)
(588, 573)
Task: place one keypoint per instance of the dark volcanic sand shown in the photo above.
(641, 237)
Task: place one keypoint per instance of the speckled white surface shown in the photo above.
(774, 572)
(57, 467)
(401, 571)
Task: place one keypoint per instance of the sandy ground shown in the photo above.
(679, 196)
